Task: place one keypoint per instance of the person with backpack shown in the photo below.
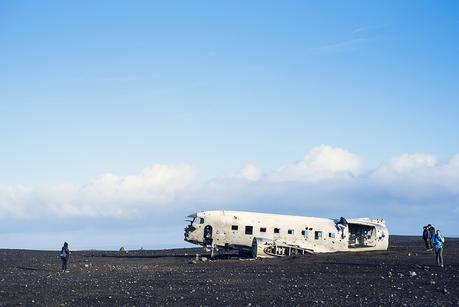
(65, 254)
(438, 241)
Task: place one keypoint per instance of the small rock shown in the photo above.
(413, 273)
(192, 262)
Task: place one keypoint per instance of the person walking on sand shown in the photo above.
(438, 241)
(65, 254)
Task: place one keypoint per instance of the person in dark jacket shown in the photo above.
(341, 226)
(65, 254)
(431, 231)
(426, 237)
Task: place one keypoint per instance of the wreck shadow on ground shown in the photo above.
(143, 256)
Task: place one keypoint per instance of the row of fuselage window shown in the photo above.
(304, 232)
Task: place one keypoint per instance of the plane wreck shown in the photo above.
(273, 235)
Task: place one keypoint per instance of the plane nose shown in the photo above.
(188, 230)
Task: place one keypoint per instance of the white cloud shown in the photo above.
(107, 196)
(409, 162)
(250, 172)
(451, 169)
(418, 176)
(156, 184)
(15, 200)
(322, 162)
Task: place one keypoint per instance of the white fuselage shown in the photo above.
(237, 230)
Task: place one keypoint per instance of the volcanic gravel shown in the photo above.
(405, 275)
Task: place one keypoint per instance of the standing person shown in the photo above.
(438, 240)
(431, 231)
(65, 254)
(426, 238)
(431, 234)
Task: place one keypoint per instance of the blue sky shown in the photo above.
(112, 87)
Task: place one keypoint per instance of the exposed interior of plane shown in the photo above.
(361, 235)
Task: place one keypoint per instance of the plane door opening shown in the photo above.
(208, 235)
(361, 235)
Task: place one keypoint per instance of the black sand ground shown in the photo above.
(153, 278)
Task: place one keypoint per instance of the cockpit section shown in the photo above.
(194, 228)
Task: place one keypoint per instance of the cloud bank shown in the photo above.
(107, 196)
(408, 191)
